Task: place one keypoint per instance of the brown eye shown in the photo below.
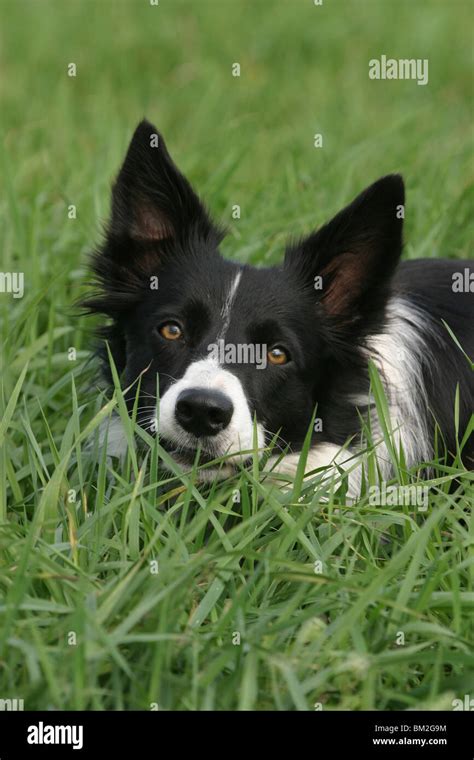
(277, 356)
(171, 331)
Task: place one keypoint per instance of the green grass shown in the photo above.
(78, 533)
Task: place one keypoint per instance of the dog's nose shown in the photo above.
(202, 411)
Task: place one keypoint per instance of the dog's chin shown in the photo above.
(204, 473)
(210, 474)
(187, 458)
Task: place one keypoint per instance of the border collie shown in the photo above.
(246, 354)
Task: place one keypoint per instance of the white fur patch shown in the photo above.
(226, 309)
(400, 354)
(112, 430)
(236, 437)
(329, 456)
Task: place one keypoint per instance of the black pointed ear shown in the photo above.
(349, 261)
(151, 199)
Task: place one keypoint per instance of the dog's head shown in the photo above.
(235, 348)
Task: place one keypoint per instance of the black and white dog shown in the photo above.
(232, 344)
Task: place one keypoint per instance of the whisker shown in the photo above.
(277, 441)
(148, 395)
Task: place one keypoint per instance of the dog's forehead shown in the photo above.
(204, 281)
(263, 292)
(232, 295)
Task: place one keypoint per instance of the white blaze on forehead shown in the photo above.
(237, 436)
(226, 309)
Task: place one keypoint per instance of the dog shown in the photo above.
(245, 356)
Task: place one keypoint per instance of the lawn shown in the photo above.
(125, 587)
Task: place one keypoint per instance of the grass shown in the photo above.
(125, 586)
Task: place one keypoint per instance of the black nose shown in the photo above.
(203, 412)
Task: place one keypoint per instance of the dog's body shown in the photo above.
(232, 344)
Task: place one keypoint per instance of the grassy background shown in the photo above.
(83, 566)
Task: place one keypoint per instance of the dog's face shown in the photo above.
(230, 344)
(238, 354)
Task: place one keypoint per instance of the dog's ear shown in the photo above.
(155, 213)
(151, 200)
(349, 261)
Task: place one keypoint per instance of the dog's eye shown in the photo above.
(170, 331)
(277, 356)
